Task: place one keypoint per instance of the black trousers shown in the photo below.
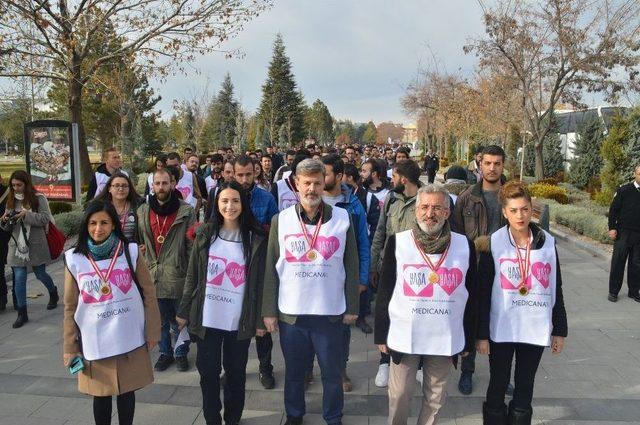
(102, 407)
(527, 362)
(222, 349)
(626, 246)
(264, 345)
(3, 287)
(431, 175)
(468, 363)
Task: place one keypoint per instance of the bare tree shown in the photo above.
(54, 40)
(559, 49)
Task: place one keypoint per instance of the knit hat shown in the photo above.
(456, 172)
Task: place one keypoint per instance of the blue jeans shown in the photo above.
(308, 336)
(20, 282)
(169, 328)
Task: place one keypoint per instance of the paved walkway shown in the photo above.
(595, 381)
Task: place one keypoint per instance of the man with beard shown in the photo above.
(478, 214)
(211, 181)
(187, 182)
(340, 195)
(398, 215)
(162, 230)
(284, 171)
(267, 167)
(284, 190)
(426, 308)
(310, 290)
(192, 163)
(373, 179)
(264, 207)
(227, 176)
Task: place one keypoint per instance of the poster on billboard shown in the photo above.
(50, 156)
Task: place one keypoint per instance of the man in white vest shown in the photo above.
(426, 307)
(187, 184)
(310, 290)
(112, 163)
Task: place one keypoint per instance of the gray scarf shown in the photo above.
(430, 245)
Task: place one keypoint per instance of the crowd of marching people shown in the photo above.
(226, 247)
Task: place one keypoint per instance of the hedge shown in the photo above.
(581, 220)
(69, 222)
(549, 191)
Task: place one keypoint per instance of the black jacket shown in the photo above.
(372, 210)
(625, 208)
(387, 284)
(486, 274)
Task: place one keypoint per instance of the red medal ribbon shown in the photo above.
(430, 264)
(105, 278)
(123, 217)
(312, 241)
(525, 264)
(161, 228)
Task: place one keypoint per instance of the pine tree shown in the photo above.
(282, 103)
(241, 130)
(587, 160)
(614, 159)
(632, 148)
(319, 123)
(228, 110)
(370, 133)
(189, 123)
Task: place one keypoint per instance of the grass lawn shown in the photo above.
(8, 166)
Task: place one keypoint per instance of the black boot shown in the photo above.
(53, 299)
(494, 416)
(519, 416)
(22, 318)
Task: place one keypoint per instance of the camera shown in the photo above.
(12, 217)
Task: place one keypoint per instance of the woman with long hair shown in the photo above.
(27, 218)
(159, 164)
(111, 316)
(220, 301)
(121, 192)
(521, 306)
(261, 180)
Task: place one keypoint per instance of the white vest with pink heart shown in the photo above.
(286, 196)
(225, 286)
(185, 186)
(427, 317)
(516, 317)
(312, 279)
(111, 321)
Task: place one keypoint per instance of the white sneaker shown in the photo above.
(382, 377)
(419, 376)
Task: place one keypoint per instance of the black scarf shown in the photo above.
(168, 208)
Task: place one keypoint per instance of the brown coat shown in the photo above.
(118, 374)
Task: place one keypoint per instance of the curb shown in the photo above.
(585, 246)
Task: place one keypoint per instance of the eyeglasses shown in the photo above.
(120, 186)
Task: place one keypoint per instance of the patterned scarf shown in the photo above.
(103, 250)
(430, 245)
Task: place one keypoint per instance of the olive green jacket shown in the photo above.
(192, 303)
(169, 268)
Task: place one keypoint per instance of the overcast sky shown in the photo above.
(355, 55)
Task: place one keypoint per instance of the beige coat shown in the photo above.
(118, 374)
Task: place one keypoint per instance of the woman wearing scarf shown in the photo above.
(521, 308)
(120, 192)
(221, 299)
(111, 317)
(27, 217)
(426, 307)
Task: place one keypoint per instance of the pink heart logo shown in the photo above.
(186, 191)
(121, 279)
(215, 270)
(510, 274)
(295, 248)
(416, 281)
(450, 279)
(235, 272)
(541, 271)
(90, 285)
(327, 246)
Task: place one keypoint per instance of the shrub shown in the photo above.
(549, 180)
(69, 222)
(59, 207)
(581, 220)
(547, 191)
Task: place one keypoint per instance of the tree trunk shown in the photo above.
(75, 112)
(539, 170)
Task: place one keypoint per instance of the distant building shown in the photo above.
(569, 124)
(410, 135)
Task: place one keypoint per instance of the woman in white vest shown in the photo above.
(111, 316)
(521, 308)
(426, 306)
(220, 299)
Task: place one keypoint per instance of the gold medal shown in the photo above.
(160, 239)
(105, 289)
(523, 291)
(311, 255)
(434, 278)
